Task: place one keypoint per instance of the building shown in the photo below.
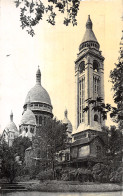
(40, 102)
(37, 109)
(88, 139)
(10, 132)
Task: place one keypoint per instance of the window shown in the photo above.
(96, 117)
(81, 99)
(44, 120)
(95, 66)
(32, 130)
(36, 119)
(82, 67)
(40, 120)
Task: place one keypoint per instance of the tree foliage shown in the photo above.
(9, 165)
(99, 106)
(51, 138)
(19, 146)
(116, 76)
(32, 11)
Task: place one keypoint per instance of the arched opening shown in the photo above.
(40, 120)
(32, 130)
(95, 66)
(82, 67)
(96, 117)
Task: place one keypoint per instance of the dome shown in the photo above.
(28, 118)
(38, 93)
(66, 121)
(11, 125)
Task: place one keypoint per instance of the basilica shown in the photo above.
(87, 140)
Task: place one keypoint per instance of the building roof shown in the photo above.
(38, 93)
(11, 125)
(67, 121)
(28, 117)
(89, 34)
(85, 140)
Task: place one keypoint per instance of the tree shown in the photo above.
(19, 146)
(117, 80)
(114, 147)
(9, 165)
(32, 11)
(52, 138)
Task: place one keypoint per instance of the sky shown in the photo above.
(54, 49)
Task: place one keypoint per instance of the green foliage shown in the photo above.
(45, 175)
(117, 175)
(99, 106)
(50, 138)
(19, 146)
(9, 166)
(100, 172)
(31, 12)
(117, 80)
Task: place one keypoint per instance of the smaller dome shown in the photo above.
(66, 121)
(11, 125)
(28, 118)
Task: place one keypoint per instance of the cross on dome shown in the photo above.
(38, 76)
(11, 116)
(65, 113)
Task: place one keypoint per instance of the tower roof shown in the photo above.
(89, 34)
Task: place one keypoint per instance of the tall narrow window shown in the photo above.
(81, 99)
(82, 67)
(40, 120)
(95, 66)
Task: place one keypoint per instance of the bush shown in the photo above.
(45, 175)
(117, 175)
(80, 174)
(100, 172)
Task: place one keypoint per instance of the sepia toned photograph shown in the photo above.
(61, 97)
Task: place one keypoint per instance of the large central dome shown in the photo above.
(40, 103)
(38, 93)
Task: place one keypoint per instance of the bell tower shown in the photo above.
(89, 80)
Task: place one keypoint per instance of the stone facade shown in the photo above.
(40, 103)
(88, 138)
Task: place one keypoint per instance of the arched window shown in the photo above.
(95, 66)
(26, 130)
(40, 120)
(36, 119)
(82, 67)
(32, 130)
(44, 120)
(96, 117)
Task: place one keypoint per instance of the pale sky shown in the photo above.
(54, 49)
